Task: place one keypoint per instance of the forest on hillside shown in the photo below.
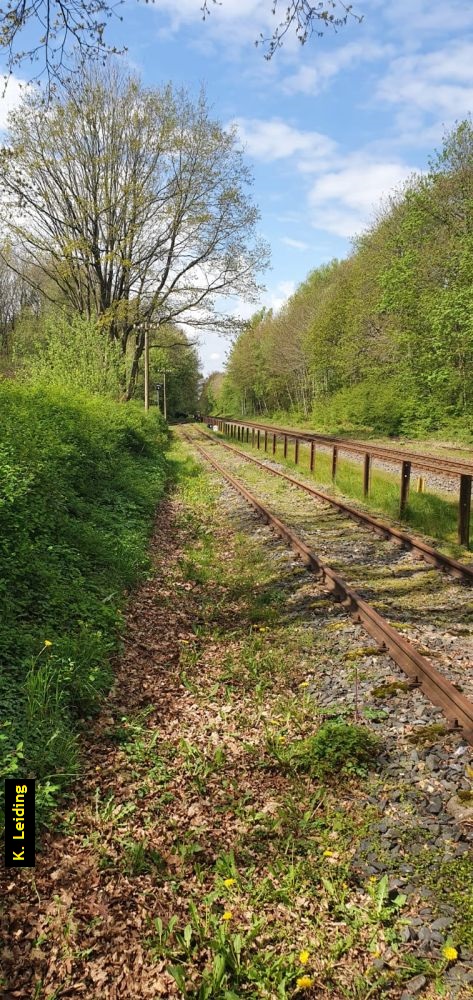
(382, 340)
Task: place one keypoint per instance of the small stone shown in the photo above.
(424, 935)
(459, 810)
(379, 964)
(441, 924)
(415, 984)
(435, 806)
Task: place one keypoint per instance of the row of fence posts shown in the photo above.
(241, 431)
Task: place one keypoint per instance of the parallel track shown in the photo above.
(421, 672)
(428, 553)
(429, 463)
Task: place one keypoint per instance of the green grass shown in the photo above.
(431, 513)
(80, 478)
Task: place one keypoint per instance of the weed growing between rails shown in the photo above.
(210, 851)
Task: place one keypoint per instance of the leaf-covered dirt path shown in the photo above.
(195, 858)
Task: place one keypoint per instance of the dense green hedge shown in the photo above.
(80, 477)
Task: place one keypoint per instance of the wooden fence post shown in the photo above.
(312, 456)
(405, 481)
(464, 511)
(367, 475)
(334, 462)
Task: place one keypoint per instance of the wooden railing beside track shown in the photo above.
(448, 467)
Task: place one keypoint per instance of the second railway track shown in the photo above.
(412, 610)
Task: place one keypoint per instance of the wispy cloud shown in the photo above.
(274, 139)
(343, 201)
(295, 244)
(438, 83)
(314, 76)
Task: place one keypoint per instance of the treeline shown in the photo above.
(384, 339)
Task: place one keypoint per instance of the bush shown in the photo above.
(60, 349)
(80, 478)
(336, 748)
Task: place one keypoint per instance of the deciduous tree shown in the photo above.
(133, 203)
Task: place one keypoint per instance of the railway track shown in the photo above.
(374, 571)
(427, 552)
(452, 468)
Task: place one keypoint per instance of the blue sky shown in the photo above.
(329, 128)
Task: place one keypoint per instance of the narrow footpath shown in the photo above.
(231, 836)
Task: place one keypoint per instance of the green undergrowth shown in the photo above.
(430, 513)
(80, 478)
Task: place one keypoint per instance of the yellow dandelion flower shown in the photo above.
(304, 982)
(282, 739)
(304, 684)
(328, 854)
(304, 957)
(228, 882)
(227, 915)
(450, 953)
(47, 642)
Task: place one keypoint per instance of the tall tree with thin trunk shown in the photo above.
(134, 203)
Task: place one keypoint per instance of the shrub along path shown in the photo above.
(211, 847)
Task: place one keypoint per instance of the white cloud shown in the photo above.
(215, 356)
(232, 22)
(295, 244)
(439, 82)
(12, 91)
(424, 18)
(313, 77)
(343, 201)
(274, 139)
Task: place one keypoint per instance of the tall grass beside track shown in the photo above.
(80, 478)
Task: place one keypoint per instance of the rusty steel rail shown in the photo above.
(431, 555)
(457, 709)
(452, 468)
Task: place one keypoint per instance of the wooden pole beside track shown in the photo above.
(405, 482)
(312, 456)
(334, 463)
(464, 511)
(367, 475)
